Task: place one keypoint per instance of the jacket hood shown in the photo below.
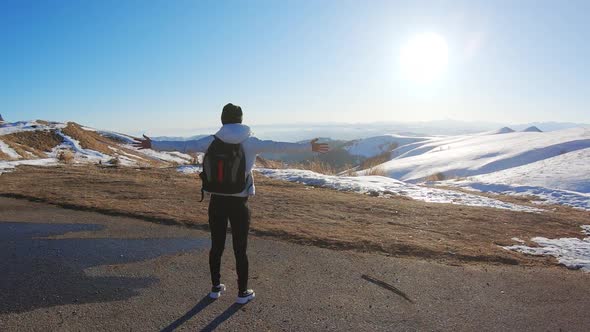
(233, 133)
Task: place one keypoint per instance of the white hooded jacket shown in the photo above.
(235, 133)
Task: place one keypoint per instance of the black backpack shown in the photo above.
(224, 168)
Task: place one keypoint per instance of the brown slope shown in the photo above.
(94, 141)
(4, 156)
(36, 142)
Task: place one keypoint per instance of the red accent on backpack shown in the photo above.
(220, 171)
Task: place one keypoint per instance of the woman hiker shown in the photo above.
(227, 176)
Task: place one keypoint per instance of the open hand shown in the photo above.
(319, 147)
(141, 144)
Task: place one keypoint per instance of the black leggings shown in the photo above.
(222, 208)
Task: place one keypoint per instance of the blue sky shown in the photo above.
(167, 65)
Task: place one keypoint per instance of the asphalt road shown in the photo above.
(67, 270)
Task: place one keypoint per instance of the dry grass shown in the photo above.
(436, 177)
(315, 166)
(115, 162)
(369, 164)
(89, 139)
(94, 141)
(310, 165)
(267, 163)
(293, 212)
(378, 171)
(35, 142)
(4, 156)
(349, 171)
(65, 157)
(28, 152)
(376, 160)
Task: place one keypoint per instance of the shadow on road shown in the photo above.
(222, 317)
(37, 272)
(205, 301)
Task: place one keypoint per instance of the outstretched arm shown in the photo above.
(145, 143)
(284, 147)
(199, 145)
(319, 147)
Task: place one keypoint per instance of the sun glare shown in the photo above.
(424, 58)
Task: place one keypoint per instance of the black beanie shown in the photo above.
(231, 114)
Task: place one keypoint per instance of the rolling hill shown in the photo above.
(49, 143)
(471, 155)
(373, 146)
(550, 165)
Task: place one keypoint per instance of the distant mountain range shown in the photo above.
(177, 138)
(348, 131)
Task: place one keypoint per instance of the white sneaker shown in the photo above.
(216, 291)
(245, 297)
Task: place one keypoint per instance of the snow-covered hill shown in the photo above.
(373, 146)
(567, 171)
(563, 179)
(50, 143)
(552, 165)
(177, 138)
(461, 156)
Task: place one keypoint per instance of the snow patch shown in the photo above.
(80, 154)
(517, 240)
(373, 146)
(127, 162)
(574, 253)
(129, 156)
(20, 126)
(116, 136)
(379, 185)
(4, 148)
(7, 166)
(189, 169)
(175, 157)
(546, 196)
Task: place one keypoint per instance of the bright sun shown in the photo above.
(424, 58)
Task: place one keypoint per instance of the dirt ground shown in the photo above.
(315, 216)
